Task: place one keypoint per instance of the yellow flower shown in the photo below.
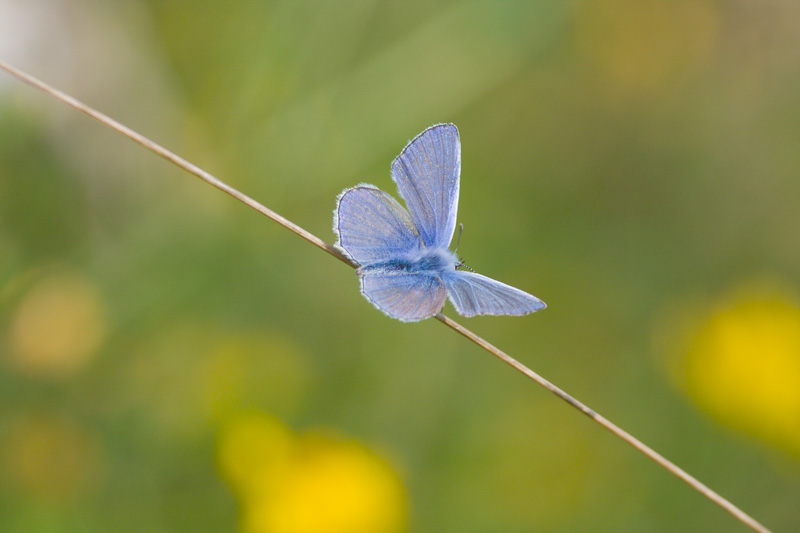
(57, 327)
(254, 452)
(193, 377)
(310, 483)
(742, 364)
(50, 458)
(239, 366)
(645, 47)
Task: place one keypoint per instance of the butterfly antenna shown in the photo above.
(461, 262)
(458, 240)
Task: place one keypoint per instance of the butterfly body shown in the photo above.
(428, 262)
(405, 266)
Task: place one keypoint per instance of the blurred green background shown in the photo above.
(170, 360)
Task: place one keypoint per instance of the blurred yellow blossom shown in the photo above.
(239, 367)
(253, 452)
(50, 458)
(289, 483)
(57, 327)
(642, 46)
(194, 375)
(742, 364)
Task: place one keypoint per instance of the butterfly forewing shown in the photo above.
(427, 175)
(372, 226)
(473, 294)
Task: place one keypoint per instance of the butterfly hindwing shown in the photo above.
(406, 296)
(427, 174)
(473, 294)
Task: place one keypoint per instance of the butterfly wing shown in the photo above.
(473, 294)
(406, 296)
(427, 174)
(372, 227)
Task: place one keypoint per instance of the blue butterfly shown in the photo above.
(406, 269)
